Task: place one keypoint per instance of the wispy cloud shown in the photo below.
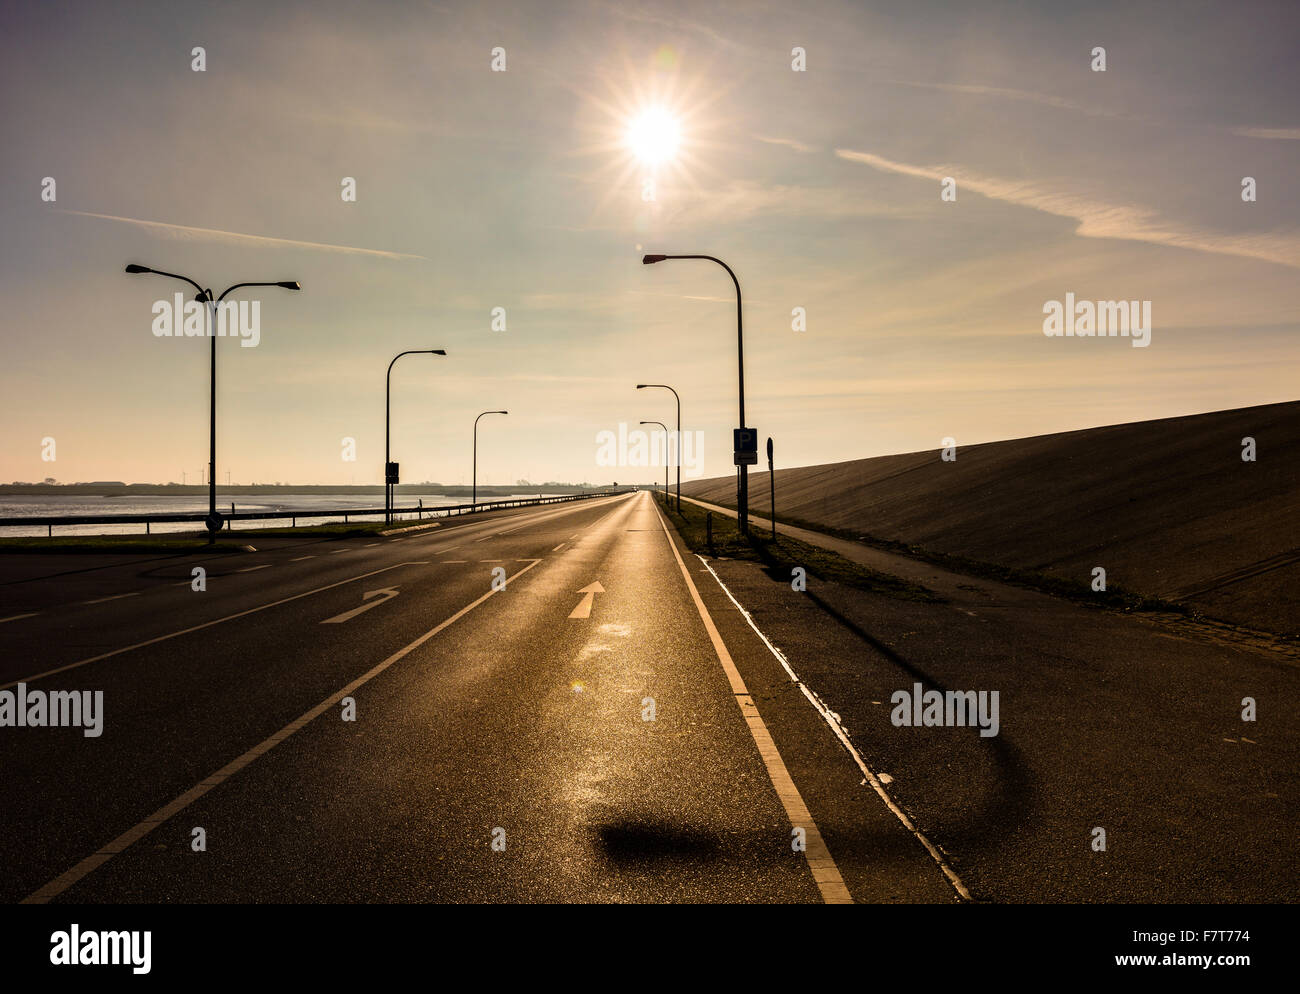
(1025, 96)
(185, 232)
(1062, 103)
(788, 143)
(1281, 134)
(1098, 219)
(740, 199)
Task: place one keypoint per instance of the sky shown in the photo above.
(526, 190)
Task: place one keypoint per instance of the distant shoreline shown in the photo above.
(189, 490)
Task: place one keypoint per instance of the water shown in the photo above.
(83, 504)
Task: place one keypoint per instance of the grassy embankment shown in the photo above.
(781, 555)
(1076, 590)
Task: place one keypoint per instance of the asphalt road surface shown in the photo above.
(563, 704)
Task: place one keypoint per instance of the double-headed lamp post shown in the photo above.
(214, 520)
(388, 391)
(473, 501)
(742, 486)
(665, 428)
(665, 386)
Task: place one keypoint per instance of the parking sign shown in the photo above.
(745, 443)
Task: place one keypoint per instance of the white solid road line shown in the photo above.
(825, 873)
(833, 721)
(126, 839)
(206, 624)
(252, 569)
(19, 617)
(115, 597)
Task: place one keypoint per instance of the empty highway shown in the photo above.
(564, 704)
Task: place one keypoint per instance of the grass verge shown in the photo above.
(1048, 583)
(781, 555)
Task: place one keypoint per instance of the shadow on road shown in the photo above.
(639, 841)
(1012, 800)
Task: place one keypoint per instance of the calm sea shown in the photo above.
(335, 504)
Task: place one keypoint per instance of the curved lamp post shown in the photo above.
(642, 386)
(665, 428)
(388, 390)
(214, 520)
(742, 487)
(473, 501)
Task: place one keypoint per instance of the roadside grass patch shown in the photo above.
(781, 555)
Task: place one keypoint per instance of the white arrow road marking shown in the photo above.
(388, 592)
(589, 592)
(208, 624)
(132, 835)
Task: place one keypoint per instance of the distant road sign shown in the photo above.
(745, 443)
(390, 475)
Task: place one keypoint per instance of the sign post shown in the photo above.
(771, 479)
(390, 482)
(745, 453)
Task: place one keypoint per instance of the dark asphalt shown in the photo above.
(481, 711)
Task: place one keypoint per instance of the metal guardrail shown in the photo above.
(419, 510)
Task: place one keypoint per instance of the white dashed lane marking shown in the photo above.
(132, 835)
(115, 597)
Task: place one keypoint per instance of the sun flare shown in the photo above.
(653, 136)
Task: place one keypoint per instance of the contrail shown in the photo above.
(185, 231)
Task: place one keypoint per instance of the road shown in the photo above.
(481, 716)
(604, 726)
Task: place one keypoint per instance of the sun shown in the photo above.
(653, 136)
(650, 131)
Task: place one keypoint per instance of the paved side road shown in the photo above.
(1108, 721)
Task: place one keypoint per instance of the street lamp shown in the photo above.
(742, 486)
(214, 520)
(473, 501)
(665, 428)
(390, 480)
(642, 386)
